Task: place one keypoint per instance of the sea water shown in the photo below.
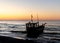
(50, 27)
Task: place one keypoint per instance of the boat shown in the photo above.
(34, 29)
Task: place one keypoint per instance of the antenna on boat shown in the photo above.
(37, 18)
(31, 18)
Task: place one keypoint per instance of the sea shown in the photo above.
(51, 31)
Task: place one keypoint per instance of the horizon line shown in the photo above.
(29, 20)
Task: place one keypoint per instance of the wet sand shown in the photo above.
(4, 39)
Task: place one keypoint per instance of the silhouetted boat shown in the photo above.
(34, 29)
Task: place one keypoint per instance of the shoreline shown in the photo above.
(4, 39)
(7, 39)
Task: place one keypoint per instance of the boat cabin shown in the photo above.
(32, 24)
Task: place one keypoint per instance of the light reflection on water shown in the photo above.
(51, 31)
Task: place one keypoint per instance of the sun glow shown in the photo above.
(22, 10)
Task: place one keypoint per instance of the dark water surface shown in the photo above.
(51, 32)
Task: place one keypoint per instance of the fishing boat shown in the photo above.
(34, 29)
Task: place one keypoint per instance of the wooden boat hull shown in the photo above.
(34, 32)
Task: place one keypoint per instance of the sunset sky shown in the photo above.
(22, 9)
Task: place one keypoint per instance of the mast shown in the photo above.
(37, 19)
(31, 18)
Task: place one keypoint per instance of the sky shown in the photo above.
(22, 9)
